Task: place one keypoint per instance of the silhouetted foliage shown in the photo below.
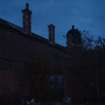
(87, 39)
(93, 58)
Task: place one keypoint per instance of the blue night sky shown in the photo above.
(86, 15)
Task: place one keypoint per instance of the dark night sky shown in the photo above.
(87, 15)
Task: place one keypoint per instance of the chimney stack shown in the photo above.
(51, 30)
(27, 19)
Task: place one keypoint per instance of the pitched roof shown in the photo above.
(33, 36)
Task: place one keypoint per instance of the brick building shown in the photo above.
(32, 66)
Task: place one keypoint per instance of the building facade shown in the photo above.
(32, 66)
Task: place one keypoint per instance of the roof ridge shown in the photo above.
(34, 35)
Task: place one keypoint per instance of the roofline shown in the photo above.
(33, 35)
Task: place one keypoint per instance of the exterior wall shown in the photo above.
(21, 52)
(28, 62)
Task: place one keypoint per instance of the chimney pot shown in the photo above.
(51, 30)
(27, 19)
(27, 5)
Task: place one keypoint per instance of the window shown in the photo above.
(56, 81)
(56, 86)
